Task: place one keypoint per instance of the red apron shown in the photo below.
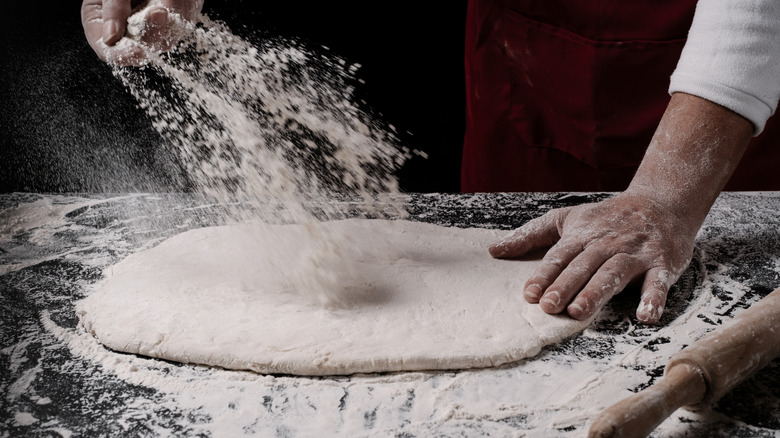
(565, 95)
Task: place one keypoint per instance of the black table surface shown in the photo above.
(57, 381)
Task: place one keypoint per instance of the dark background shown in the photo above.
(69, 126)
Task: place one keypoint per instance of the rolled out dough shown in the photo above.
(422, 297)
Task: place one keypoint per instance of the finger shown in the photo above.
(608, 281)
(92, 21)
(156, 31)
(572, 279)
(154, 37)
(189, 9)
(551, 266)
(115, 13)
(536, 233)
(655, 288)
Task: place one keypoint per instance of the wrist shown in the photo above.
(689, 214)
(692, 155)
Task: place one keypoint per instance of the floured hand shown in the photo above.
(647, 232)
(598, 249)
(105, 24)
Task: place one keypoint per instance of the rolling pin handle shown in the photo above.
(637, 416)
(701, 373)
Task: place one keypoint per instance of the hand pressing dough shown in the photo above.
(417, 297)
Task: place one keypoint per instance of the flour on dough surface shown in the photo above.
(423, 297)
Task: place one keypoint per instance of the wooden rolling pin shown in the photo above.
(701, 373)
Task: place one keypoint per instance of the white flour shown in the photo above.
(557, 393)
(270, 125)
(539, 397)
(261, 124)
(274, 123)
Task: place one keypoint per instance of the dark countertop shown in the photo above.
(57, 381)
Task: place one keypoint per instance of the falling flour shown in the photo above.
(274, 123)
(271, 127)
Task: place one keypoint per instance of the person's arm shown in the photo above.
(731, 61)
(105, 24)
(732, 57)
(646, 232)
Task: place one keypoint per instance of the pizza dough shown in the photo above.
(415, 297)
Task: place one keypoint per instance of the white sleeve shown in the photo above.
(732, 57)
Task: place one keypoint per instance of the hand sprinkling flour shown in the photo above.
(271, 127)
(648, 231)
(106, 24)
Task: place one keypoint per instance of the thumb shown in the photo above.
(115, 13)
(536, 233)
(155, 34)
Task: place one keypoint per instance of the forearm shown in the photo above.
(732, 57)
(696, 148)
(646, 232)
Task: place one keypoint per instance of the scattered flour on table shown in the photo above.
(33, 215)
(37, 221)
(558, 393)
(550, 396)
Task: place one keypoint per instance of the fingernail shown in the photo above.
(554, 303)
(158, 17)
(497, 250)
(648, 313)
(576, 310)
(533, 291)
(111, 32)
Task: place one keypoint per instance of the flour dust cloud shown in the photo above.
(271, 125)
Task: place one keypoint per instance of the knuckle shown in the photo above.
(578, 268)
(659, 286)
(611, 274)
(536, 225)
(555, 263)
